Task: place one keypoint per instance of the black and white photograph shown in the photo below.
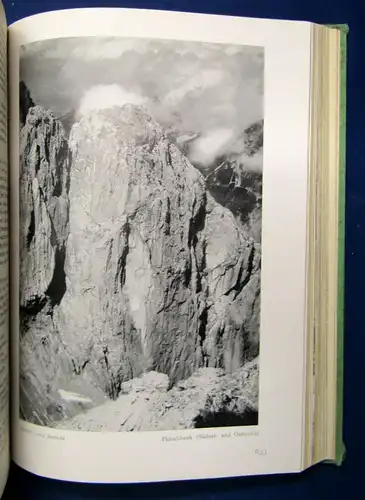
(140, 184)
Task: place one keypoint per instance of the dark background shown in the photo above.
(322, 481)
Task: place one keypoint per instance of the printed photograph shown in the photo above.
(141, 167)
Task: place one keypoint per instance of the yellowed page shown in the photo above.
(153, 389)
(4, 262)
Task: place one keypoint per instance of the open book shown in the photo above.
(176, 245)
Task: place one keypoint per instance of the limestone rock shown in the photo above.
(44, 180)
(44, 183)
(129, 268)
(153, 263)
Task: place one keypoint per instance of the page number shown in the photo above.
(261, 452)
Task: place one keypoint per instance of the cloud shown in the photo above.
(212, 144)
(109, 48)
(85, 48)
(200, 82)
(214, 91)
(207, 148)
(107, 96)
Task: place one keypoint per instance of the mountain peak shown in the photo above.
(130, 123)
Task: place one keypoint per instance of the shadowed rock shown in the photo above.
(25, 102)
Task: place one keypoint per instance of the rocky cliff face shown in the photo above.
(129, 265)
(44, 209)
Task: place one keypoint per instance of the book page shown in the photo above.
(159, 190)
(4, 259)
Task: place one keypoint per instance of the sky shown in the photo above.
(213, 91)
